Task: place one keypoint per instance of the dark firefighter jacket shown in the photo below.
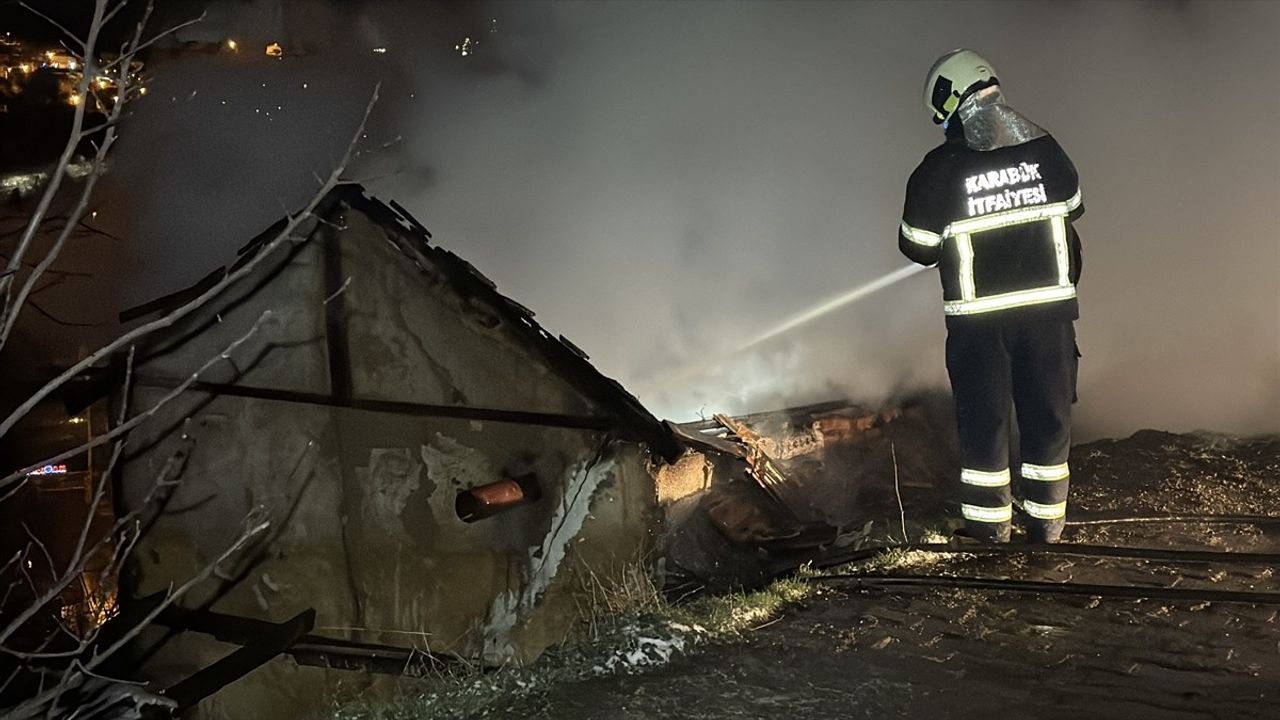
(998, 224)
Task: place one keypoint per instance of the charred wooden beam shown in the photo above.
(394, 407)
(760, 467)
(269, 641)
(307, 649)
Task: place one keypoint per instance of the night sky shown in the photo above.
(662, 180)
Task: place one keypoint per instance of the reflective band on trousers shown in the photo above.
(1008, 300)
(921, 237)
(1047, 473)
(977, 513)
(982, 478)
(1045, 512)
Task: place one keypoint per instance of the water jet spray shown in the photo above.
(805, 317)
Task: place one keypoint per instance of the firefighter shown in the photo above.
(994, 209)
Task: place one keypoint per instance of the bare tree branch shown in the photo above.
(44, 550)
(138, 419)
(79, 553)
(59, 321)
(292, 223)
(12, 309)
(21, 279)
(253, 527)
(143, 46)
(68, 150)
(114, 11)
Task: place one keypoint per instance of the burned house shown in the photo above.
(439, 472)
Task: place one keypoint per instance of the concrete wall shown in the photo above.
(365, 529)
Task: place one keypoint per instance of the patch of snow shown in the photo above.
(648, 647)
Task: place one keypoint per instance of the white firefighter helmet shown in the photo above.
(951, 78)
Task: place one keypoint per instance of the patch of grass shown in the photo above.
(899, 559)
(730, 615)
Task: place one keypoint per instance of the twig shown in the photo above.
(59, 321)
(17, 557)
(79, 43)
(143, 46)
(53, 572)
(345, 284)
(114, 11)
(897, 491)
(123, 412)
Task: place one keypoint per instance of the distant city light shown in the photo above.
(233, 46)
(274, 50)
(73, 99)
(78, 420)
(380, 50)
(467, 47)
(48, 470)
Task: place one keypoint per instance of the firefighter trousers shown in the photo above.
(1031, 364)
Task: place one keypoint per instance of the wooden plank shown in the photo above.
(266, 645)
(760, 467)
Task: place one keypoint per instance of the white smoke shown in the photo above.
(664, 181)
(688, 174)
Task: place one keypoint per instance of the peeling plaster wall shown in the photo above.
(366, 530)
(514, 605)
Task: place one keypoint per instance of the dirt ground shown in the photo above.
(943, 652)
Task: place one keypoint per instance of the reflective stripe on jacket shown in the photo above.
(998, 224)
